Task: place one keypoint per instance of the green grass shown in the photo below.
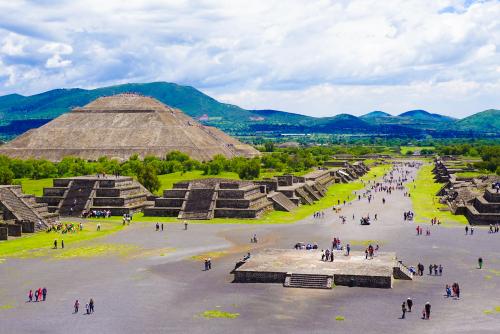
(405, 149)
(216, 314)
(339, 318)
(34, 187)
(468, 175)
(40, 244)
(425, 202)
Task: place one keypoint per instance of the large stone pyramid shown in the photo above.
(121, 125)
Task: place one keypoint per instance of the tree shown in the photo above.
(269, 146)
(6, 175)
(148, 178)
(249, 170)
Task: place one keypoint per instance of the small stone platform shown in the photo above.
(304, 268)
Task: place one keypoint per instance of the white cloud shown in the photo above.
(316, 57)
(56, 61)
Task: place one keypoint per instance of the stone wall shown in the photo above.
(4, 233)
(27, 226)
(363, 281)
(13, 230)
(259, 277)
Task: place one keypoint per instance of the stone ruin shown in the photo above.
(120, 126)
(473, 197)
(73, 196)
(211, 198)
(21, 213)
(220, 198)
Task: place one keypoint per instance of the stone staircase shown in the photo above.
(305, 198)
(400, 271)
(281, 202)
(200, 204)
(309, 281)
(23, 208)
(312, 193)
(77, 197)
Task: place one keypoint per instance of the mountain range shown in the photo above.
(19, 113)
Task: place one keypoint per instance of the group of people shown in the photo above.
(435, 221)
(408, 215)
(55, 244)
(40, 294)
(319, 214)
(407, 305)
(469, 229)
(420, 230)
(63, 228)
(438, 270)
(370, 251)
(453, 291)
(158, 226)
(308, 246)
(327, 255)
(494, 228)
(89, 307)
(97, 214)
(208, 264)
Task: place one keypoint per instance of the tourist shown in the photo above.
(36, 295)
(77, 305)
(466, 230)
(427, 310)
(185, 225)
(480, 262)
(430, 269)
(87, 308)
(348, 248)
(55, 244)
(403, 309)
(457, 290)
(435, 269)
(366, 254)
(44, 292)
(40, 294)
(91, 305)
(62, 244)
(209, 261)
(30, 296)
(327, 255)
(206, 264)
(471, 230)
(448, 291)
(440, 270)
(98, 227)
(157, 227)
(322, 255)
(409, 302)
(162, 226)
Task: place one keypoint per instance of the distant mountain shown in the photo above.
(375, 114)
(422, 115)
(20, 113)
(487, 121)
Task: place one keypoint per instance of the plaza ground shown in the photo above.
(145, 281)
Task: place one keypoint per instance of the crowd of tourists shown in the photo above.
(97, 214)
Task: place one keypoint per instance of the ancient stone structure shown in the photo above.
(304, 269)
(74, 196)
(122, 125)
(211, 198)
(21, 213)
(473, 197)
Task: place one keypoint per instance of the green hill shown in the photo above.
(487, 121)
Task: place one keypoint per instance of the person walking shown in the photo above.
(409, 303)
(466, 229)
(162, 227)
(348, 248)
(427, 309)
(55, 244)
(430, 269)
(403, 309)
(44, 293)
(185, 225)
(209, 261)
(62, 244)
(30, 296)
(87, 308)
(76, 306)
(480, 262)
(91, 305)
(440, 270)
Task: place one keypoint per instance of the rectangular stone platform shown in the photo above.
(277, 265)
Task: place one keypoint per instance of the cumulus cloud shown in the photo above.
(314, 57)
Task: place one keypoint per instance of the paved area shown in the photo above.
(149, 293)
(309, 262)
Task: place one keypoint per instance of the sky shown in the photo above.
(314, 57)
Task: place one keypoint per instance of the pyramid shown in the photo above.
(121, 125)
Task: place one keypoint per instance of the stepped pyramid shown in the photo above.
(121, 125)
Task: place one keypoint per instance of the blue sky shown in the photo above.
(318, 58)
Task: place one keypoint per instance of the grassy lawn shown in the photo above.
(467, 175)
(34, 187)
(336, 192)
(425, 202)
(405, 149)
(40, 244)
